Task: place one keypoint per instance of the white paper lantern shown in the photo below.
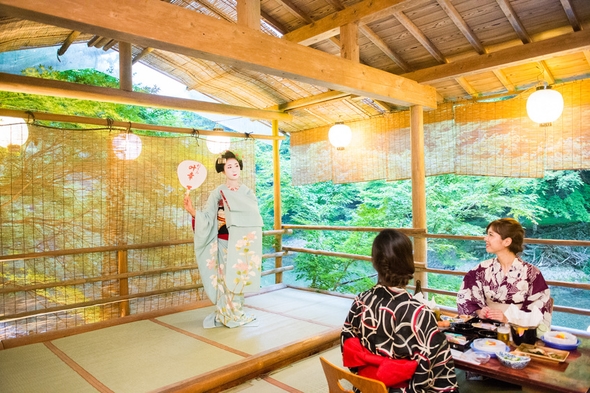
(340, 135)
(217, 144)
(545, 105)
(127, 146)
(13, 131)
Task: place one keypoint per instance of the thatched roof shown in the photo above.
(465, 49)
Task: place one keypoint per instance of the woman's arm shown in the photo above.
(471, 298)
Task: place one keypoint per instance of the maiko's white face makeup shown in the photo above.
(232, 169)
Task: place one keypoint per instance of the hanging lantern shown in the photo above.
(340, 135)
(216, 144)
(544, 106)
(13, 131)
(127, 146)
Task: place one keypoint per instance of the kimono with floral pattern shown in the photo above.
(228, 268)
(523, 286)
(389, 322)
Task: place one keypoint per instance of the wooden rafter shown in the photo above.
(310, 101)
(67, 42)
(142, 54)
(571, 15)
(517, 25)
(379, 43)
(420, 36)
(547, 75)
(504, 80)
(454, 15)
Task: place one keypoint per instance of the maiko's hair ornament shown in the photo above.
(222, 159)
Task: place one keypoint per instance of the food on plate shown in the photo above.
(444, 323)
(542, 353)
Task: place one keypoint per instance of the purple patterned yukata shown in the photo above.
(523, 286)
(389, 322)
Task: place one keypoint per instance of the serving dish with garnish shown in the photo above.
(489, 346)
(561, 340)
(542, 353)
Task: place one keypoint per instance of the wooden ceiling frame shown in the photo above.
(178, 27)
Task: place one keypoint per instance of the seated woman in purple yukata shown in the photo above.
(392, 337)
(493, 285)
(228, 244)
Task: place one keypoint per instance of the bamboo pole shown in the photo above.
(125, 67)
(28, 115)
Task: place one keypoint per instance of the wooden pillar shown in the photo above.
(248, 13)
(125, 65)
(349, 43)
(418, 188)
(277, 198)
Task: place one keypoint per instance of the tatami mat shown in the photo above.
(141, 356)
(34, 368)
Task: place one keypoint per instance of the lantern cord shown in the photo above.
(196, 134)
(248, 134)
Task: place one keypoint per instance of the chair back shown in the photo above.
(335, 374)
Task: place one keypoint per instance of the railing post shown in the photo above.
(277, 199)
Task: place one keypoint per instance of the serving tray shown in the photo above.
(542, 353)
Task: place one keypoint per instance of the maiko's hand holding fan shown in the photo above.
(191, 174)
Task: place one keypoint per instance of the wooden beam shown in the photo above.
(142, 54)
(517, 55)
(467, 86)
(67, 42)
(48, 87)
(309, 101)
(517, 25)
(328, 26)
(547, 75)
(458, 20)
(149, 23)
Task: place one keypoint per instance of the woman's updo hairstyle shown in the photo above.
(509, 227)
(393, 258)
(222, 159)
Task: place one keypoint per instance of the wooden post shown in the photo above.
(248, 13)
(277, 198)
(349, 43)
(125, 65)
(418, 188)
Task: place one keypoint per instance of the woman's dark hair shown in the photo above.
(509, 227)
(393, 258)
(221, 160)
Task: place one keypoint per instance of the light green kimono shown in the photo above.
(228, 268)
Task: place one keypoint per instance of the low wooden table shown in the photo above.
(571, 376)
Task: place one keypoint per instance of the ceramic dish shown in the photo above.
(516, 361)
(489, 346)
(561, 340)
(565, 347)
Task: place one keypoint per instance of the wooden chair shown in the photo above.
(334, 374)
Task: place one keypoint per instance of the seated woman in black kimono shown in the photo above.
(392, 337)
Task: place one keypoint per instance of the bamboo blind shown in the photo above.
(485, 139)
(67, 190)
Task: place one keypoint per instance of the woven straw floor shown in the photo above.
(158, 355)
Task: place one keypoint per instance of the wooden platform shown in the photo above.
(173, 353)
